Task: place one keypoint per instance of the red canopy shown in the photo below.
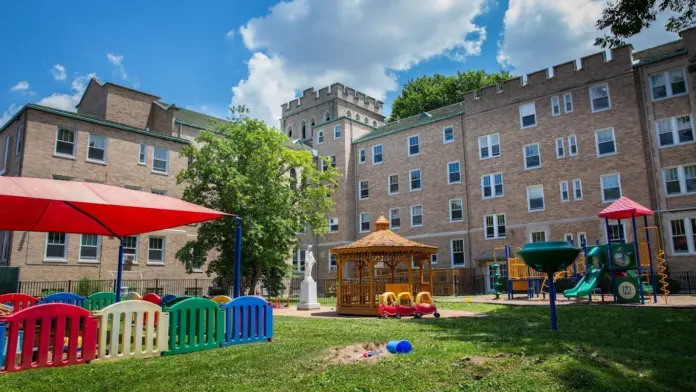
(32, 204)
(624, 208)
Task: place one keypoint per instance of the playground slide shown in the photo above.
(586, 285)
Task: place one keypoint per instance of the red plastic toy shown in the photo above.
(405, 306)
(387, 305)
(425, 305)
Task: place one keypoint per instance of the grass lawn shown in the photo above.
(597, 348)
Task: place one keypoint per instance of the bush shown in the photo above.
(673, 286)
(86, 287)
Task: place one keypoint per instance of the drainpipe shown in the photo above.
(468, 216)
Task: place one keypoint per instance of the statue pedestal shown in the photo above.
(308, 295)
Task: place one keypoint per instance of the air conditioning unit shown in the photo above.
(129, 259)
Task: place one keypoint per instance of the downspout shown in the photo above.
(468, 215)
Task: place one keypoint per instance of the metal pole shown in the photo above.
(552, 302)
(238, 258)
(635, 247)
(119, 275)
(508, 281)
(611, 260)
(653, 281)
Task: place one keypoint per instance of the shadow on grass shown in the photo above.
(596, 348)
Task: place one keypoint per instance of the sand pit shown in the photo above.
(354, 353)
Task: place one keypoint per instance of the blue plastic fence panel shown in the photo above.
(167, 298)
(247, 319)
(63, 298)
(2, 344)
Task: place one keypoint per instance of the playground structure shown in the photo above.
(52, 332)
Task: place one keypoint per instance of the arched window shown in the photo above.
(314, 122)
(367, 120)
(357, 116)
(293, 179)
(327, 116)
(304, 129)
(349, 114)
(290, 132)
(374, 123)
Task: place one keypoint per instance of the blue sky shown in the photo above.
(209, 54)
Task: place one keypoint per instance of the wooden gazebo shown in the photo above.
(384, 248)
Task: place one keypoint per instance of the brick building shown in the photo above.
(120, 137)
(533, 159)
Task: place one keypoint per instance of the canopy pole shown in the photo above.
(238, 258)
(119, 275)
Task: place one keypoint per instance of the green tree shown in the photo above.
(431, 92)
(246, 168)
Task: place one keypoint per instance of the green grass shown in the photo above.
(598, 348)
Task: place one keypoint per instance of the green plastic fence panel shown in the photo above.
(99, 301)
(176, 301)
(195, 324)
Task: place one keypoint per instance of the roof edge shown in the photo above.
(341, 118)
(395, 130)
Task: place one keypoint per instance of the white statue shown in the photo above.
(309, 264)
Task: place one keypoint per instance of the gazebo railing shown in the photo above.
(358, 294)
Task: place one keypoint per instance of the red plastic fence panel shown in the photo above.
(18, 301)
(46, 328)
(153, 298)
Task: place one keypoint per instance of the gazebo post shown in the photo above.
(339, 267)
(370, 270)
(410, 278)
(119, 274)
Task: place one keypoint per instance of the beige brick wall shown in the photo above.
(128, 107)
(11, 163)
(93, 101)
(161, 120)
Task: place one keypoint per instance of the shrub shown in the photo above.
(86, 287)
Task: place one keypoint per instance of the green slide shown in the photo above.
(647, 289)
(586, 285)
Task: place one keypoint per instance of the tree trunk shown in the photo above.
(253, 280)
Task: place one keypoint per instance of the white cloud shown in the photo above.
(230, 34)
(117, 61)
(58, 72)
(305, 43)
(70, 100)
(7, 115)
(544, 33)
(22, 85)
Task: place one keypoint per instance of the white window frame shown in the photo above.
(433, 259)
(360, 188)
(337, 131)
(79, 253)
(55, 144)
(608, 98)
(673, 124)
(20, 140)
(459, 166)
(391, 210)
(65, 250)
(364, 214)
(142, 162)
(333, 263)
(531, 235)
(410, 183)
(137, 248)
(567, 190)
(491, 178)
(533, 104)
(554, 105)
(462, 265)
(616, 223)
(444, 134)
(601, 186)
(461, 203)
(568, 98)
(496, 232)
(668, 84)
(560, 152)
(334, 220)
(408, 145)
(164, 248)
(381, 154)
(106, 147)
(166, 172)
(569, 235)
(6, 151)
(577, 184)
(524, 155)
(581, 235)
(320, 136)
(543, 198)
(688, 231)
(389, 184)
(362, 156)
(421, 214)
(681, 177)
(613, 136)
(489, 145)
(570, 145)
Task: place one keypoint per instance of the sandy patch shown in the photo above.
(354, 353)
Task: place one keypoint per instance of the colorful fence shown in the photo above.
(63, 298)
(18, 301)
(99, 301)
(195, 324)
(247, 320)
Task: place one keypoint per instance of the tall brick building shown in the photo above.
(119, 137)
(533, 159)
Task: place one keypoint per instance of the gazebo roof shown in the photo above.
(383, 239)
(624, 208)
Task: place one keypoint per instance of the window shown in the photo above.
(675, 130)
(89, 247)
(492, 185)
(568, 102)
(413, 146)
(395, 218)
(560, 148)
(142, 154)
(565, 195)
(433, 258)
(447, 135)
(415, 183)
(97, 148)
(160, 160)
(337, 131)
(393, 184)
(555, 106)
(303, 129)
(568, 237)
(532, 159)
(327, 116)
(366, 120)
(62, 178)
(4, 246)
(683, 233)
(537, 236)
(535, 198)
(680, 180)
(313, 122)
(605, 142)
(599, 98)
(617, 233)
(20, 140)
(93, 181)
(299, 258)
(65, 142)
(160, 192)
(133, 187)
(320, 137)
(667, 84)
(572, 145)
(377, 154)
(332, 263)
(416, 216)
(5, 153)
(130, 249)
(456, 211)
(357, 116)
(374, 123)
(349, 114)
(453, 173)
(155, 250)
(56, 246)
(363, 156)
(364, 222)
(494, 226)
(582, 239)
(333, 225)
(489, 146)
(611, 187)
(527, 115)
(577, 189)
(290, 132)
(457, 247)
(333, 161)
(364, 190)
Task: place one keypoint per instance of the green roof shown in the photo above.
(415, 121)
(94, 120)
(660, 52)
(298, 145)
(191, 118)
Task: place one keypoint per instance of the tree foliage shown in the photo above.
(431, 92)
(244, 168)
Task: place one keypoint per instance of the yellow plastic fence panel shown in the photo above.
(132, 296)
(221, 299)
(132, 329)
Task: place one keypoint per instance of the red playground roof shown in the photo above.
(624, 208)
